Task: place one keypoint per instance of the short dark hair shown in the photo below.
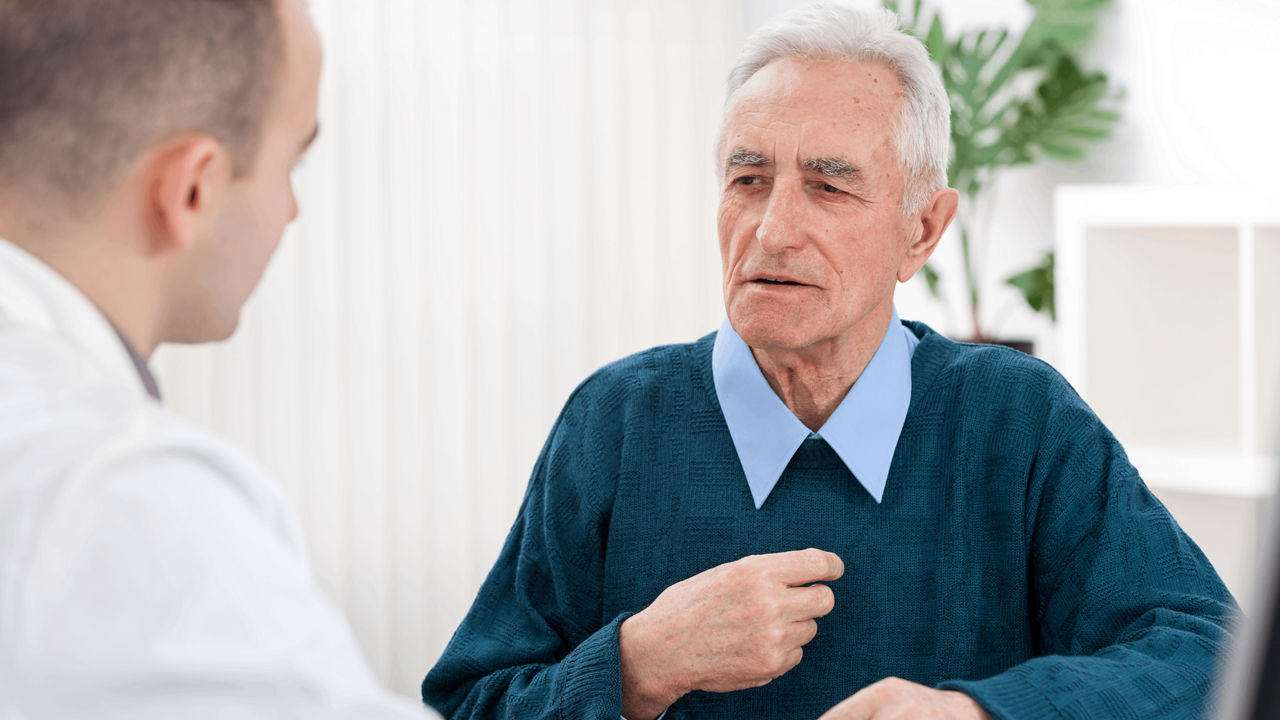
(88, 85)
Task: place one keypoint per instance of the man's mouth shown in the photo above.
(778, 281)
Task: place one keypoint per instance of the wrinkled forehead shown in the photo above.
(817, 107)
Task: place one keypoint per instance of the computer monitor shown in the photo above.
(1249, 686)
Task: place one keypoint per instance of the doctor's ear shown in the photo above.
(930, 222)
(189, 180)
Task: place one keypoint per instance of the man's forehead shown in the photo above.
(816, 98)
(792, 88)
(804, 82)
(808, 108)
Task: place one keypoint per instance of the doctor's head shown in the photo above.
(146, 149)
(832, 160)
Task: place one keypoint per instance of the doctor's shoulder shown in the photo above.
(73, 434)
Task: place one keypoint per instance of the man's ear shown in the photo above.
(190, 178)
(931, 222)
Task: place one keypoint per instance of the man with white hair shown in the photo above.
(821, 510)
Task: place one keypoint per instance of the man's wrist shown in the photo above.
(968, 704)
(645, 695)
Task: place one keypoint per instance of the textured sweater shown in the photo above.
(1016, 556)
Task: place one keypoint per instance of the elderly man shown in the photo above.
(148, 570)
(821, 510)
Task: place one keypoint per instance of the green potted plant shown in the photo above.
(1016, 99)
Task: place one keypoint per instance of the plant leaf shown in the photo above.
(1067, 110)
(1067, 24)
(931, 278)
(935, 41)
(1037, 286)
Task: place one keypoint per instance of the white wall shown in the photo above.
(505, 196)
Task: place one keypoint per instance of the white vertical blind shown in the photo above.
(506, 195)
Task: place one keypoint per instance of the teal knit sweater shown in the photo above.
(1016, 556)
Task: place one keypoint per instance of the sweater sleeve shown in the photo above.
(534, 644)
(1129, 615)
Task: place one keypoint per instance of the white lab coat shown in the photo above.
(147, 570)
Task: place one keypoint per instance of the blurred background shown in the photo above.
(508, 194)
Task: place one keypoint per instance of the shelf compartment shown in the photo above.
(1162, 345)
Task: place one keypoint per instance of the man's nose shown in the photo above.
(782, 226)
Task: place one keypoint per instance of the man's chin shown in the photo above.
(207, 331)
(771, 330)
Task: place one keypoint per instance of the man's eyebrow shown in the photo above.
(305, 144)
(833, 167)
(742, 157)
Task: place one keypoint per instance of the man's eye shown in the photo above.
(747, 180)
(830, 189)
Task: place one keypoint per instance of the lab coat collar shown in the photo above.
(863, 430)
(35, 295)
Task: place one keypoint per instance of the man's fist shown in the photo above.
(735, 626)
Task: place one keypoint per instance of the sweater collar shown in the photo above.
(863, 430)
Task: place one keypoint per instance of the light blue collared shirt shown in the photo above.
(863, 430)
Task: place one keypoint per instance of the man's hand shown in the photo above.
(735, 626)
(897, 699)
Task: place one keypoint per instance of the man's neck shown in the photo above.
(104, 270)
(812, 381)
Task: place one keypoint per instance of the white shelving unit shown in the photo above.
(1169, 326)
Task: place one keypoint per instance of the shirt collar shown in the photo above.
(140, 365)
(34, 294)
(863, 430)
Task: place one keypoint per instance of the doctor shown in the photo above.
(148, 570)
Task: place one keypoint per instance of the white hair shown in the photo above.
(826, 30)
